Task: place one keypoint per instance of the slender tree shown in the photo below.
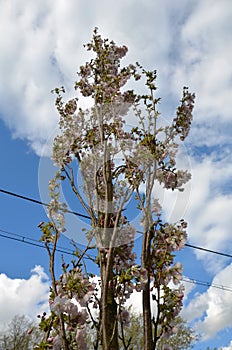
(21, 333)
(183, 337)
(117, 163)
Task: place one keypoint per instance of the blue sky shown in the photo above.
(189, 43)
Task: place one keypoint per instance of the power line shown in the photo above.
(30, 241)
(208, 250)
(39, 202)
(208, 284)
(33, 242)
(87, 217)
(23, 239)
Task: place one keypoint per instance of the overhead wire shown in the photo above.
(208, 284)
(27, 240)
(24, 239)
(87, 217)
(208, 250)
(39, 202)
(33, 242)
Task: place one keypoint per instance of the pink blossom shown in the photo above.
(57, 343)
(80, 338)
(125, 317)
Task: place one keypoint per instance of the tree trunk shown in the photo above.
(147, 320)
(109, 305)
(147, 326)
(108, 313)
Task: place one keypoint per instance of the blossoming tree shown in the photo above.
(118, 163)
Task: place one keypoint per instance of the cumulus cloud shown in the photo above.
(209, 210)
(229, 347)
(212, 309)
(205, 204)
(23, 296)
(38, 54)
(206, 55)
(42, 48)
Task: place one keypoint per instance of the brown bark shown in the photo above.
(109, 305)
(147, 325)
(108, 313)
(147, 320)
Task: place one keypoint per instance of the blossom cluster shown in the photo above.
(69, 299)
(166, 240)
(173, 301)
(101, 78)
(173, 179)
(183, 119)
(129, 276)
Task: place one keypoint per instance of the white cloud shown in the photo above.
(189, 286)
(135, 302)
(209, 213)
(205, 204)
(229, 347)
(212, 309)
(206, 55)
(38, 54)
(23, 296)
(42, 48)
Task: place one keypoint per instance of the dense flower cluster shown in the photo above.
(101, 78)
(128, 275)
(69, 299)
(173, 179)
(183, 119)
(166, 240)
(56, 209)
(74, 285)
(173, 301)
